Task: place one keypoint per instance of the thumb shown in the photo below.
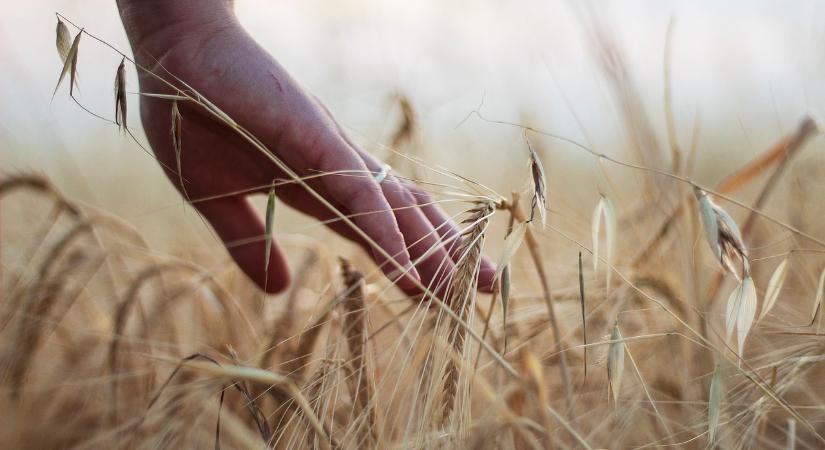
(244, 236)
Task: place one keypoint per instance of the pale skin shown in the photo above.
(201, 43)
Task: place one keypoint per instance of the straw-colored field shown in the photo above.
(654, 288)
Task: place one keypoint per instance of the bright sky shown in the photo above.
(757, 66)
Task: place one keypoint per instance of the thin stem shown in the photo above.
(538, 262)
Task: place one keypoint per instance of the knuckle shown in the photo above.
(361, 193)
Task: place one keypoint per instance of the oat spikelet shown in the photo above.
(740, 312)
(511, 245)
(724, 237)
(714, 403)
(70, 66)
(790, 442)
(774, 286)
(63, 41)
(120, 95)
(539, 186)
(461, 296)
(604, 209)
(615, 362)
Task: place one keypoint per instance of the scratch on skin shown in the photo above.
(277, 83)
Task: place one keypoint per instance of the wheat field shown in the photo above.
(676, 307)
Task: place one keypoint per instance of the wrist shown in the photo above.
(153, 26)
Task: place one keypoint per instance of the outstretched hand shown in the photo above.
(203, 45)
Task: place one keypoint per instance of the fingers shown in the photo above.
(425, 247)
(450, 234)
(424, 226)
(362, 197)
(424, 243)
(243, 235)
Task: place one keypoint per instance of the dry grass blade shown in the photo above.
(595, 226)
(168, 381)
(511, 246)
(740, 312)
(820, 295)
(539, 186)
(270, 217)
(120, 95)
(670, 122)
(708, 216)
(536, 387)
(249, 400)
(45, 297)
(714, 403)
(776, 154)
(604, 209)
(176, 131)
(584, 314)
(70, 65)
(63, 40)
(502, 287)
(222, 116)
(615, 362)
(504, 282)
(266, 378)
(775, 284)
(164, 96)
(409, 123)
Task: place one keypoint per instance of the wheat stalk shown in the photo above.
(355, 330)
(461, 297)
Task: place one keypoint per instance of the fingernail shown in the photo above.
(414, 272)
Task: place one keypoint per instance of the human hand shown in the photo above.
(202, 44)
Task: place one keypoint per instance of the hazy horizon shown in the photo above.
(747, 71)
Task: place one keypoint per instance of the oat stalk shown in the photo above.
(70, 66)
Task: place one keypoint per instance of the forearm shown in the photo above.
(153, 25)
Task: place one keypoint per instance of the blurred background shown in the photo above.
(743, 74)
(593, 74)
